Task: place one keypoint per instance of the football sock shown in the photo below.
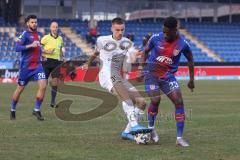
(53, 94)
(152, 114)
(128, 128)
(126, 76)
(139, 113)
(128, 108)
(180, 117)
(13, 105)
(38, 104)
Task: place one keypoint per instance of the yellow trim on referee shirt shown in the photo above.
(49, 43)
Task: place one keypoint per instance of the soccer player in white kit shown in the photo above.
(112, 50)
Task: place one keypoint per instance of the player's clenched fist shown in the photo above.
(191, 85)
(35, 44)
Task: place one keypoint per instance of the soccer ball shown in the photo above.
(143, 138)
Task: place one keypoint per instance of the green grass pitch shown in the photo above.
(212, 128)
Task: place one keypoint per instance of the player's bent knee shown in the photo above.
(141, 103)
(42, 86)
(54, 82)
(153, 108)
(155, 101)
(20, 88)
(179, 103)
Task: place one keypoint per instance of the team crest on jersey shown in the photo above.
(21, 35)
(176, 52)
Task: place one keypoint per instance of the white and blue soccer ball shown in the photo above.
(142, 138)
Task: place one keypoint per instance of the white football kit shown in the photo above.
(112, 56)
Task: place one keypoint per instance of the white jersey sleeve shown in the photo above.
(131, 55)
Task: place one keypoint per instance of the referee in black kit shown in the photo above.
(52, 45)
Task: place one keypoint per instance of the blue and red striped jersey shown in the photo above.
(165, 56)
(31, 57)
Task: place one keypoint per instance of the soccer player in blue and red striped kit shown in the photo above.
(30, 68)
(161, 63)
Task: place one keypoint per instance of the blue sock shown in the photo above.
(13, 105)
(180, 117)
(151, 119)
(38, 104)
(152, 114)
(53, 94)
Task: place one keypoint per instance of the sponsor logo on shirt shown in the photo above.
(164, 59)
(124, 45)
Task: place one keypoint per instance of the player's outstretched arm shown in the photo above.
(90, 60)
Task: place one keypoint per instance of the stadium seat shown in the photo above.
(223, 38)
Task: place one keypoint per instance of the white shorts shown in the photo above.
(106, 82)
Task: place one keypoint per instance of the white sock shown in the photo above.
(126, 76)
(179, 138)
(139, 113)
(128, 108)
(151, 127)
(128, 128)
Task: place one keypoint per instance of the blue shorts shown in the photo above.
(25, 75)
(154, 84)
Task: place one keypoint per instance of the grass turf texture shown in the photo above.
(212, 128)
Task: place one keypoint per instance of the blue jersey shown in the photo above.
(31, 57)
(164, 56)
(30, 66)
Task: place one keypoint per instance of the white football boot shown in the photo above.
(181, 142)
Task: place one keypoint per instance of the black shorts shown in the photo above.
(52, 66)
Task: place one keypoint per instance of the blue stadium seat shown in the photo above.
(223, 38)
